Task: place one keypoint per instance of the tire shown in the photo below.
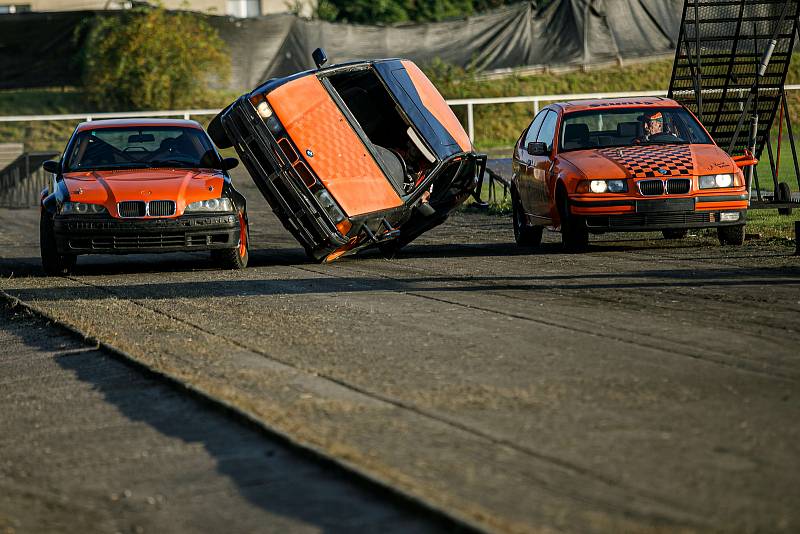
(675, 233)
(731, 235)
(218, 133)
(235, 258)
(574, 234)
(524, 235)
(53, 263)
(784, 194)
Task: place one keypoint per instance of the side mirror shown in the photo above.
(319, 57)
(229, 163)
(535, 148)
(745, 160)
(52, 166)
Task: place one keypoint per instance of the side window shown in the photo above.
(548, 130)
(533, 130)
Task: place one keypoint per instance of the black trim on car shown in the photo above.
(648, 222)
(601, 203)
(81, 234)
(725, 198)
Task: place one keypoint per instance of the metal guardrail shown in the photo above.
(23, 179)
(187, 114)
(470, 103)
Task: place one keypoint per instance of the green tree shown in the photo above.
(392, 11)
(362, 11)
(151, 58)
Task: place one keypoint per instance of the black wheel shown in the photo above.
(784, 194)
(235, 258)
(574, 234)
(731, 235)
(53, 263)
(524, 235)
(218, 133)
(675, 233)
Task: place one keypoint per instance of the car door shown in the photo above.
(523, 162)
(542, 167)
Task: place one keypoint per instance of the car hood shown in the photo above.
(650, 161)
(108, 187)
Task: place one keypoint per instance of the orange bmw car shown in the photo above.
(628, 164)
(353, 155)
(141, 186)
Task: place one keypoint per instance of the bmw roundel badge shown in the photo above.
(663, 171)
(309, 153)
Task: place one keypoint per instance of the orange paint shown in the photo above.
(340, 160)
(433, 101)
(110, 187)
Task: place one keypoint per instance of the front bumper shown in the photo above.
(279, 182)
(107, 235)
(642, 215)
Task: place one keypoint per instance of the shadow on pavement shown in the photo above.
(265, 470)
(228, 287)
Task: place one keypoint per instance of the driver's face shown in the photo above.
(653, 127)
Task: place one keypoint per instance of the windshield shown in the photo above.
(629, 126)
(141, 147)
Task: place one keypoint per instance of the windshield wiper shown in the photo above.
(172, 163)
(665, 142)
(131, 165)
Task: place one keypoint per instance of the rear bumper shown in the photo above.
(106, 235)
(660, 213)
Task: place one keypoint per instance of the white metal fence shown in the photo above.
(470, 103)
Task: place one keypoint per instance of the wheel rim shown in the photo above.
(242, 236)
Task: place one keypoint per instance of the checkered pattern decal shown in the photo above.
(645, 161)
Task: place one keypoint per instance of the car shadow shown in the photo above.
(266, 470)
(225, 286)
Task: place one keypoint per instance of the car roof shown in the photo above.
(627, 102)
(121, 123)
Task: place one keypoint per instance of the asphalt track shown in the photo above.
(643, 386)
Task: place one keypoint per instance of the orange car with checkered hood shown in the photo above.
(626, 164)
(353, 155)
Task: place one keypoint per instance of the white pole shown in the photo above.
(470, 122)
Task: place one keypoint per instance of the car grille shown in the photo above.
(147, 242)
(161, 208)
(650, 219)
(651, 187)
(138, 208)
(131, 208)
(678, 186)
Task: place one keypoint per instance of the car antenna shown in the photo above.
(319, 57)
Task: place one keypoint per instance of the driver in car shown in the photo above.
(654, 128)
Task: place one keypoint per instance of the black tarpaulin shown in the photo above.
(39, 50)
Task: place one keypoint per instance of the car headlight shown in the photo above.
(212, 204)
(81, 208)
(598, 186)
(607, 186)
(616, 186)
(329, 205)
(262, 106)
(715, 180)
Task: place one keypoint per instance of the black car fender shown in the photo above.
(52, 202)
